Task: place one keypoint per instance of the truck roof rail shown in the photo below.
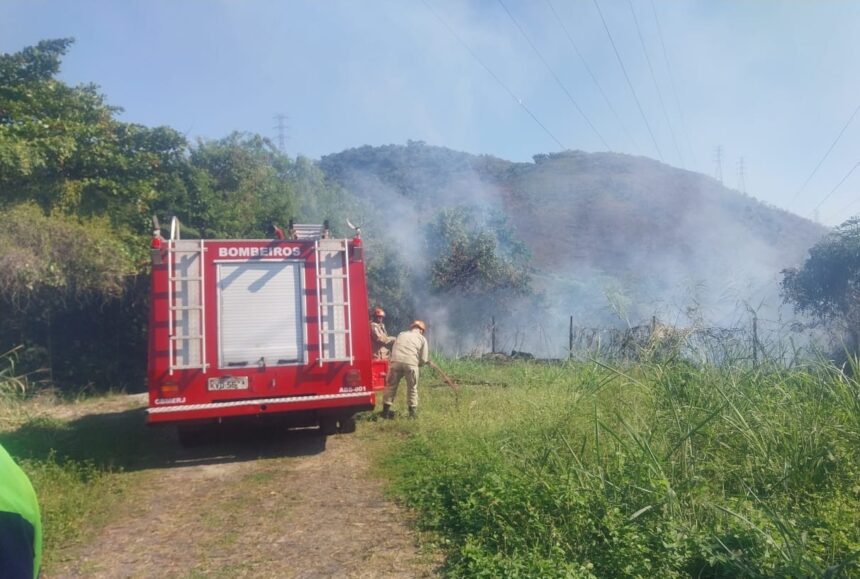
(308, 231)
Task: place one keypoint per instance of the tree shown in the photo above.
(62, 278)
(232, 187)
(78, 187)
(388, 280)
(478, 270)
(61, 147)
(474, 258)
(827, 285)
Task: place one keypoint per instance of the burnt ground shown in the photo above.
(294, 505)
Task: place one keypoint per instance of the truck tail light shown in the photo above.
(156, 247)
(357, 249)
(353, 378)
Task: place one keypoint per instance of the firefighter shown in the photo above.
(20, 523)
(410, 352)
(379, 337)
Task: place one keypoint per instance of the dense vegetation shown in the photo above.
(827, 286)
(656, 470)
(79, 189)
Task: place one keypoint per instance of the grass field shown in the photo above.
(73, 465)
(654, 470)
(576, 470)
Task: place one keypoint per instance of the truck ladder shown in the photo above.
(186, 300)
(333, 306)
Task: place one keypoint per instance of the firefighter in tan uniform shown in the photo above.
(410, 353)
(379, 337)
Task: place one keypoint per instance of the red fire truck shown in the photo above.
(253, 328)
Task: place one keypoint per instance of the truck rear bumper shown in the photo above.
(352, 401)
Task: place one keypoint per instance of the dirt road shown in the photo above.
(294, 505)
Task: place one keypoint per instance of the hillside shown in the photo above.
(596, 223)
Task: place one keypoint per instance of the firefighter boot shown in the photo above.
(387, 412)
(413, 412)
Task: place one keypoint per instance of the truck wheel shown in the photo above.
(347, 424)
(328, 425)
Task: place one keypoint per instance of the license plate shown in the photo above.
(229, 383)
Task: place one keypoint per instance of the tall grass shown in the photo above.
(659, 469)
(11, 384)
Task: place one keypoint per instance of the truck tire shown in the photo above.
(328, 425)
(347, 424)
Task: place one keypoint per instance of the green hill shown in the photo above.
(596, 224)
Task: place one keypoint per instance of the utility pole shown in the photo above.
(281, 127)
(718, 159)
(742, 185)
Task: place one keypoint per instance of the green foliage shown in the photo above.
(47, 262)
(73, 497)
(414, 170)
(827, 286)
(319, 199)
(78, 467)
(388, 279)
(62, 148)
(660, 470)
(473, 258)
(232, 187)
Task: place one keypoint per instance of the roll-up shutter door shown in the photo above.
(260, 314)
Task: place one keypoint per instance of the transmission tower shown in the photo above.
(718, 159)
(742, 186)
(281, 127)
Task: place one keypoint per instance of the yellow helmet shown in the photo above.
(419, 324)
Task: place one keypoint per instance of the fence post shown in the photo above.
(493, 335)
(755, 339)
(570, 340)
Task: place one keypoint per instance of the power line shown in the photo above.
(837, 214)
(492, 74)
(742, 184)
(654, 80)
(832, 191)
(555, 76)
(592, 75)
(833, 144)
(627, 78)
(672, 83)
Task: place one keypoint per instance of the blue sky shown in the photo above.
(773, 82)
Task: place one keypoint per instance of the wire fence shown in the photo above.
(757, 341)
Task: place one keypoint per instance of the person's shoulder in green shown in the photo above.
(20, 522)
